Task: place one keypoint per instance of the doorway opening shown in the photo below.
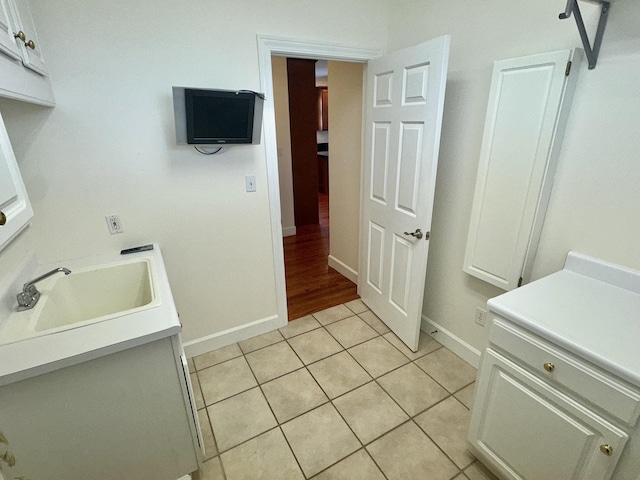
(316, 246)
(274, 46)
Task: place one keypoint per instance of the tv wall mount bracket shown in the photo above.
(591, 52)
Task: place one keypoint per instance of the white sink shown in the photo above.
(86, 296)
(94, 294)
(107, 304)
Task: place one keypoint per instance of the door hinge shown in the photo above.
(568, 69)
(520, 282)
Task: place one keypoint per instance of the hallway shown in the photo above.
(311, 284)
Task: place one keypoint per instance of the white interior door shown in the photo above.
(405, 98)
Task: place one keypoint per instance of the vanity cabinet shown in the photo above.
(129, 414)
(23, 72)
(15, 208)
(533, 429)
(553, 402)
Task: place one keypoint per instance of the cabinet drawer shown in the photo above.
(568, 371)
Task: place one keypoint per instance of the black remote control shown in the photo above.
(142, 248)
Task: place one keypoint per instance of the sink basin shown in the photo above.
(89, 295)
(94, 294)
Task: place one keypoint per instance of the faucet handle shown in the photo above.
(28, 298)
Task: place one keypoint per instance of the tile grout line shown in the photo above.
(330, 401)
(410, 417)
(328, 398)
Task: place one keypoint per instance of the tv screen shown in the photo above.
(217, 117)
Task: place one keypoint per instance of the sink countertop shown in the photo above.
(591, 308)
(48, 352)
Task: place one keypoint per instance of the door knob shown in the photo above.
(3, 218)
(417, 234)
(30, 44)
(20, 35)
(606, 449)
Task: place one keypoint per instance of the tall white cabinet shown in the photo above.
(558, 389)
(528, 105)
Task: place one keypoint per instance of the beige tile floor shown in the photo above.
(334, 395)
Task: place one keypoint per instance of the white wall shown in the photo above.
(345, 122)
(595, 204)
(108, 146)
(283, 138)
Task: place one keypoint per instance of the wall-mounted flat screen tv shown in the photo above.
(217, 117)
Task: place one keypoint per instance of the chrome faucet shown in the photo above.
(30, 295)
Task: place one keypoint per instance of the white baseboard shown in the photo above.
(454, 343)
(232, 335)
(288, 231)
(344, 269)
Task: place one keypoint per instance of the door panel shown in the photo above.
(405, 98)
(375, 256)
(416, 79)
(383, 86)
(380, 161)
(400, 263)
(409, 168)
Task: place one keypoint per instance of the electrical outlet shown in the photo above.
(481, 316)
(250, 181)
(114, 224)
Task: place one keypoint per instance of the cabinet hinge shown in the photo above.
(520, 282)
(568, 69)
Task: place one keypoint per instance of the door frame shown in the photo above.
(281, 46)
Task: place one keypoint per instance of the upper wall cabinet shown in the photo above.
(528, 106)
(15, 208)
(26, 36)
(23, 73)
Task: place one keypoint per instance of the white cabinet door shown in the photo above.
(15, 208)
(31, 52)
(121, 416)
(563, 438)
(8, 43)
(528, 103)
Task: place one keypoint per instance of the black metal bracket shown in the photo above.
(591, 52)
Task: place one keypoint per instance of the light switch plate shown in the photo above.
(250, 181)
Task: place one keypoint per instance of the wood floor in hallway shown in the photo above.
(311, 284)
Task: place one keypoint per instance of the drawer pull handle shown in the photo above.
(549, 367)
(606, 449)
